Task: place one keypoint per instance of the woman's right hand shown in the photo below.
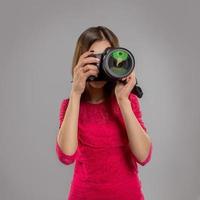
(82, 71)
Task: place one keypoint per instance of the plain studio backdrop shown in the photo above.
(37, 42)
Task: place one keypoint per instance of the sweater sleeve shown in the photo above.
(135, 104)
(63, 157)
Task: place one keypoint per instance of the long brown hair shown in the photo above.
(85, 40)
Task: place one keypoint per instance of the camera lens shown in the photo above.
(120, 63)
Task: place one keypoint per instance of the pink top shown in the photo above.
(105, 168)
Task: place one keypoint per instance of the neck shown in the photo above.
(95, 94)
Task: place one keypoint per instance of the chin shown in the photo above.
(97, 84)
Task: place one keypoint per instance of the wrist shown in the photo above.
(123, 100)
(75, 95)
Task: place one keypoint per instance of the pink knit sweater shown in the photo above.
(105, 167)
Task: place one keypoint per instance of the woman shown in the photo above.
(101, 127)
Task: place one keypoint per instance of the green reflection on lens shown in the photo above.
(120, 56)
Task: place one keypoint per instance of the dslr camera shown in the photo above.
(115, 64)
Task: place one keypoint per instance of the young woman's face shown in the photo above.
(98, 47)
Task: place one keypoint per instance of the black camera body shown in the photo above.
(115, 64)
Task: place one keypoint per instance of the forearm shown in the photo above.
(139, 141)
(67, 135)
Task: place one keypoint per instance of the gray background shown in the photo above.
(37, 42)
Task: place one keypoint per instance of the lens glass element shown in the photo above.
(120, 62)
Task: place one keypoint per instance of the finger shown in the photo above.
(89, 67)
(82, 57)
(133, 73)
(87, 60)
(90, 60)
(132, 82)
(90, 72)
(84, 72)
(131, 76)
(85, 54)
(124, 78)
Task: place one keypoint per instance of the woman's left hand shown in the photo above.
(122, 90)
